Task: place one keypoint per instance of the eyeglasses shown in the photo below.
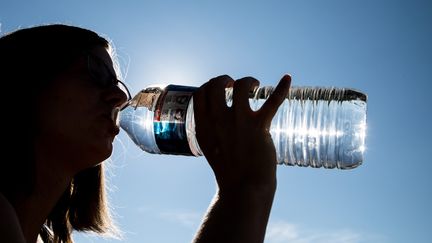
(102, 75)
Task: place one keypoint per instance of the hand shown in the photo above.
(236, 140)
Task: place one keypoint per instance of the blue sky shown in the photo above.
(381, 47)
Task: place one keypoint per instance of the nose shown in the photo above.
(115, 96)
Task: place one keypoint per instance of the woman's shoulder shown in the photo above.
(10, 229)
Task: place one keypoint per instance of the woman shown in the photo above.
(69, 92)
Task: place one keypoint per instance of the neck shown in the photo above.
(50, 183)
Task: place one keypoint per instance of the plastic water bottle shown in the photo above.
(317, 127)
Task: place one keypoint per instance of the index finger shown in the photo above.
(270, 107)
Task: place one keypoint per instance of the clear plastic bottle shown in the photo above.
(317, 127)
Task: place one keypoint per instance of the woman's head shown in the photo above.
(66, 90)
(75, 112)
(57, 70)
(41, 52)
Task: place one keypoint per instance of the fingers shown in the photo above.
(212, 93)
(242, 87)
(210, 98)
(270, 107)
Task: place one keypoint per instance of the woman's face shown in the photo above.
(76, 122)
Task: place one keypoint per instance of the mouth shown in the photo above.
(115, 129)
(113, 119)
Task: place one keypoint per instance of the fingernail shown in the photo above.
(287, 77)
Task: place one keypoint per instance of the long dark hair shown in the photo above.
(29, 59)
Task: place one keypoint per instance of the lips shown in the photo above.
(115, 130)
(113, 118)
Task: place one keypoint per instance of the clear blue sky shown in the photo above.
(381, 47)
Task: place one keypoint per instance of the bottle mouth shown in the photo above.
(124, 105)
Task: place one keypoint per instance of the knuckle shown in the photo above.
(220, 78)
(248, 81)
(219, 82)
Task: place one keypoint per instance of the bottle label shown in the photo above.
(170, 120)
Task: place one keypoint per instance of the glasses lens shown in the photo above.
(100, 73)
(103, 76)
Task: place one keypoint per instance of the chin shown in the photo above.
(98, 154)
(106, 153)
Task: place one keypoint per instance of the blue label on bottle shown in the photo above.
(169, 121)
